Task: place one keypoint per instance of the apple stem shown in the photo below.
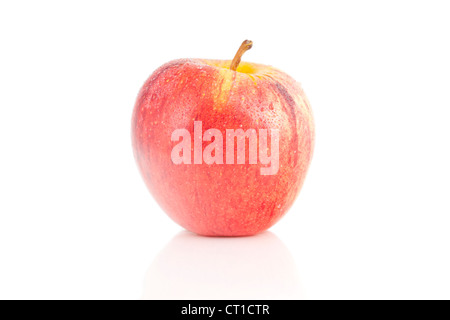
(246, 45)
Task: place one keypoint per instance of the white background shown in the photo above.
(372, 220)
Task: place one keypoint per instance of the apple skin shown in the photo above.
(226, 199)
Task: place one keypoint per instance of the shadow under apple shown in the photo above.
(196, 267)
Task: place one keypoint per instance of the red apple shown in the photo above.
(198, 97)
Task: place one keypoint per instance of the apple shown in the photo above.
(186, 121)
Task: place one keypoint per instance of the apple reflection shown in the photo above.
(195, 267)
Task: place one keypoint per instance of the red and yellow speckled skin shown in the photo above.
(227, 199)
